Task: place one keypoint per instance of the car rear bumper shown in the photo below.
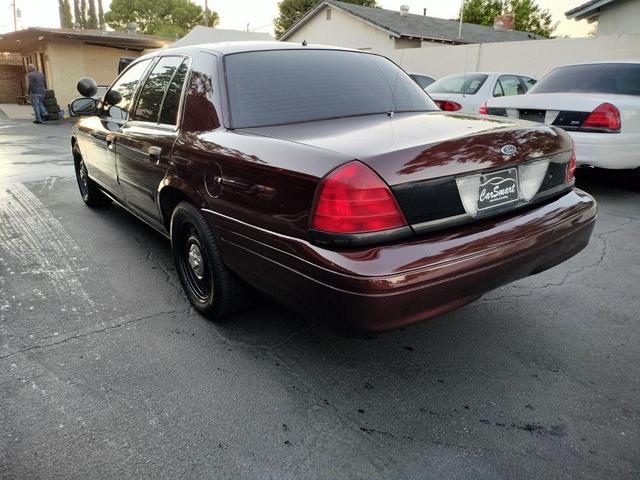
(381, 288)
(616, 151)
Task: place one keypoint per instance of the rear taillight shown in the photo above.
(483, 109)
(354, 199)
(448, 106)
(604, 117)
(571, 166)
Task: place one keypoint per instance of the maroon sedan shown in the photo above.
(327, 179)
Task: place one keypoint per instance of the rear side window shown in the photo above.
(154, 89)
(467, 84)
(169, 113)
(508, 85)
(612, 78)
(528, 82)
(422, 80)
(289, 86)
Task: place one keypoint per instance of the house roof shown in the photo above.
(202, 34)
(24, 39)
(588, 10)
(417, 26)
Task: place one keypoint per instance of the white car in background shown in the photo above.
(468, 92)
(597, 103)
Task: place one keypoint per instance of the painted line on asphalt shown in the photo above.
(38, 242)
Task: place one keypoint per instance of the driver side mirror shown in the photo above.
(113, 97)
(83, 107)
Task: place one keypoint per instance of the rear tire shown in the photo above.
(212, 289)
(89, 190)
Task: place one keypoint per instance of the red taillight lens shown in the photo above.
(448, 106)
(483, 109)
(353, 199)
(571, 167)
(605, 116)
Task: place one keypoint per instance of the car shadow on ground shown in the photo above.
(267, 323)
(598, 180)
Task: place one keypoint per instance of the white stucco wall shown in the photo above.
(343, 30)
(68, 61)
(620, 18)
(532, 58)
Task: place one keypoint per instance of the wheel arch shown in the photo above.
(173, 191)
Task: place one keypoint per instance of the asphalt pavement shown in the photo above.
(107, 373)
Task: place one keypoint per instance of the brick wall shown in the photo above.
(11, 76)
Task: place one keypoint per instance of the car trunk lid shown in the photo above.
(422, 156)
(567, 111)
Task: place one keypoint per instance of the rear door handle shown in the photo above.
(109, 140)
(154, 154)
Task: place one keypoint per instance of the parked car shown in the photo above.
(597, 103)
(368, 207)
(468, 92)
(423, 80)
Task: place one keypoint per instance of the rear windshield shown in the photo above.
(466, 83)
(289, 86)
(612, 78)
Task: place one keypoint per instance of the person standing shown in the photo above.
(36, 93)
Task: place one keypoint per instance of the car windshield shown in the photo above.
(612, 78)
(278, 87)
(466, 83)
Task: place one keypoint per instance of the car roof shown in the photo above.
(489, 73)
(228, 48)
(600, 62)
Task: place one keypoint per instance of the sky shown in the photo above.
(259, 14)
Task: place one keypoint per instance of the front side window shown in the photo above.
(154, 89)
(613, 78)
(466, 83)
(289, 86)
(126, 86)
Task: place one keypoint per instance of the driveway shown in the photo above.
(106, 371)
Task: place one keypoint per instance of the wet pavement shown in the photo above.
(106, 371)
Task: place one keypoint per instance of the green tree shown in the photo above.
(77, 16)
(66, 19)
(529, 16)
(83, 13)
(101, 23)
(92, 19)
(290, 11)
(481, 12)
(171, 18)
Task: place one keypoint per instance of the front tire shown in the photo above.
(212, 289)
(89, 190)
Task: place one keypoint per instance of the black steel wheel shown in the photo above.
(212, 289)
(90, 192)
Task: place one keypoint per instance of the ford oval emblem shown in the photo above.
(509, 150)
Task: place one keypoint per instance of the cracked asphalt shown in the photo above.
(106, 372)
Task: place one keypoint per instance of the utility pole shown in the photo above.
(460, 28)
(15, 18)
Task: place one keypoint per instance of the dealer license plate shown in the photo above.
(498, 188)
